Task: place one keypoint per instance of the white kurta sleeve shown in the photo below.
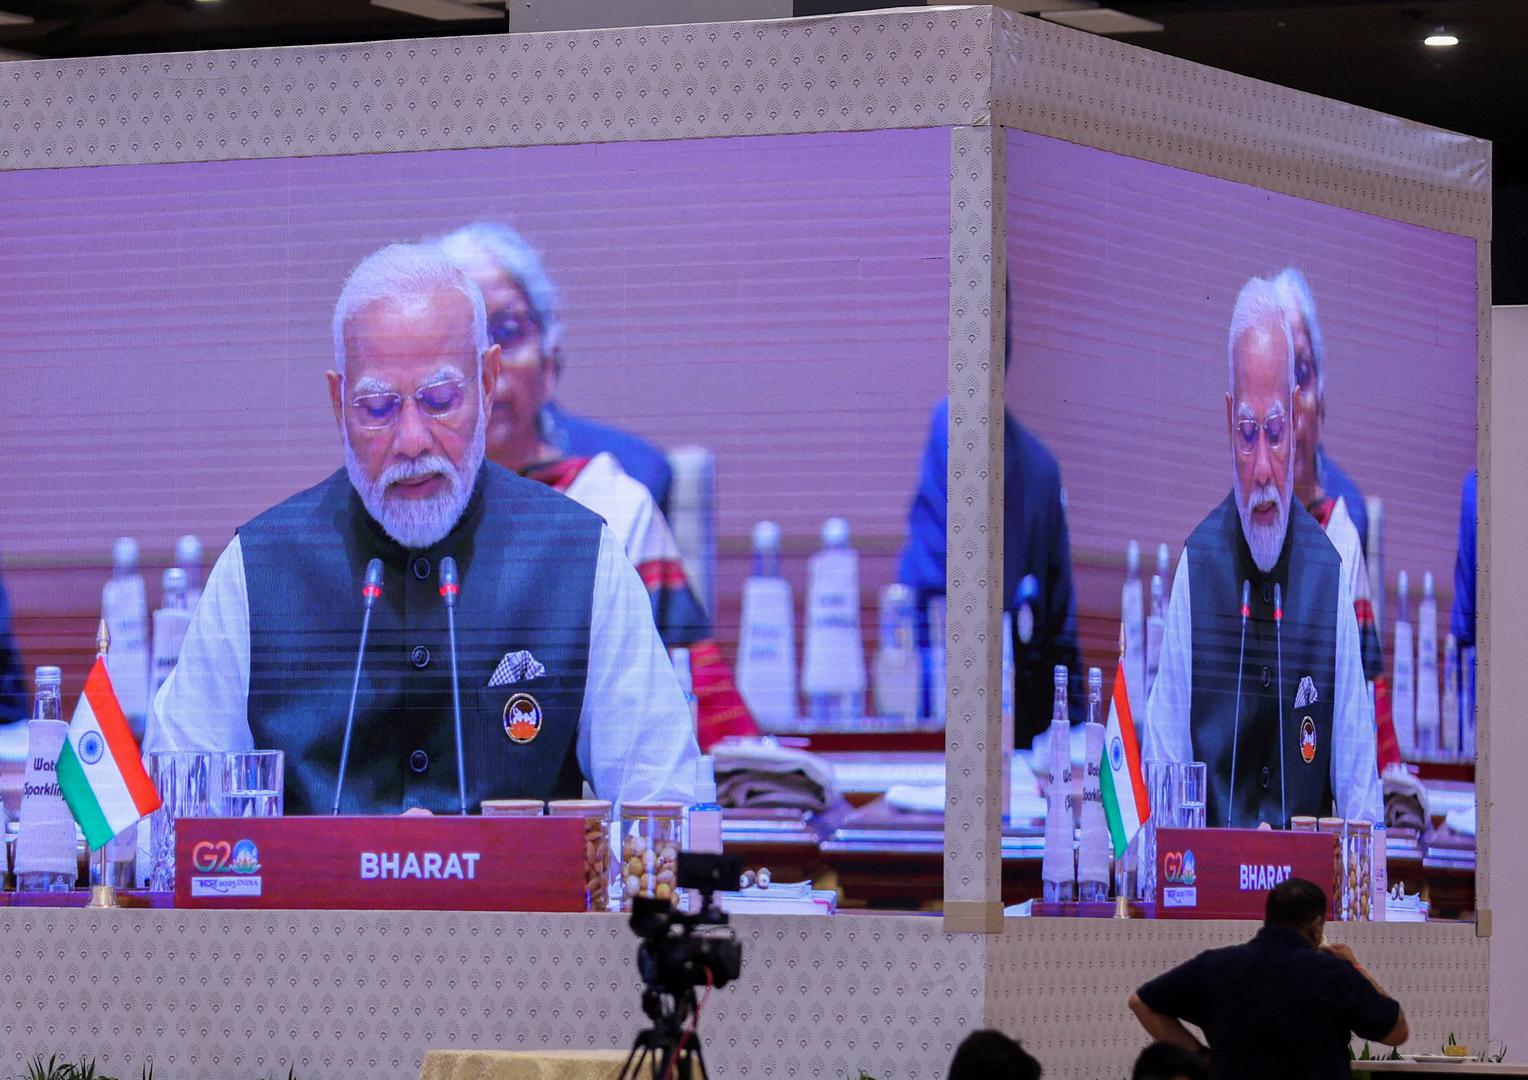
(636, 740)
(204, 704)
(1355, 777)
(1167, 713)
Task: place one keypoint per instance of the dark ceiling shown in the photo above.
(1361, 51)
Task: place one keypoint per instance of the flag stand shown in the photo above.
(103, 895)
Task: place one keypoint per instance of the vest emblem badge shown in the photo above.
(1308, 740)
(522, 718)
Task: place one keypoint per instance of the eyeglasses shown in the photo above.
(509, 331)
(437, 400)
(1272, 427)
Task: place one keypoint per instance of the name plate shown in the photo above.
(381, 863)
(1228, 873)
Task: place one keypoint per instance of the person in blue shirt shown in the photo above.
(13, 689)
(525, 324)
(1037, 563)
(1461, 621)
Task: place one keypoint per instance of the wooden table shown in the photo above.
(523, 1064)
(1427, 1068)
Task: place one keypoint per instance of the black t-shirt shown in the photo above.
(1275, 1007)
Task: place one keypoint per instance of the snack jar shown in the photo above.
(598, 867)
(650, 837)
(1333, 825)
(1358, 888)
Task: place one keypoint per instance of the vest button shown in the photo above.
(1267, 678)
(1263, 777)
(419, 761)
(421, 657)
(421, 568)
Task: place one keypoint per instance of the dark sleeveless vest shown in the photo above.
(1308, 572)
(526, 560)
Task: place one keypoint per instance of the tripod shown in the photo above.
(666, 1051)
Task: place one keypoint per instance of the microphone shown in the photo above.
(449, 588)
(1241, 661)
(1278, 693)
(371, 588)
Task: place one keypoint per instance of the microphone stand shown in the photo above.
(1241, 662)
(448, 592)
(369, 593)
(1278, 693)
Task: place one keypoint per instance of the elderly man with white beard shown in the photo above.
(1261, 676)
(562, 675)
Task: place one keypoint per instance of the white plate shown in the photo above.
(1438, 1059)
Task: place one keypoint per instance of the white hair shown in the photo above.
(399, 272)
(1258, 305)
(1295, 296)
(508, 250)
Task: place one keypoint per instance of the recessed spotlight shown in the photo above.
(1440, 39)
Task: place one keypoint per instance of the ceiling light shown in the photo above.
(1440, 39)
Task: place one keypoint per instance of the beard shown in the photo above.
(1265, 541)
(419, 523)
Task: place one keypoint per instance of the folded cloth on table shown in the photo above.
(762, 773)
(1405, 800)
(918, 798)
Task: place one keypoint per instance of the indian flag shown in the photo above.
(100, 769)
(1124, 786)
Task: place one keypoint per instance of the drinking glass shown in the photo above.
(188, 783)
(1164, 792)
(252, 783)
(1191, 806)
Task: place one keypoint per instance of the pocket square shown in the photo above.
(516, 667)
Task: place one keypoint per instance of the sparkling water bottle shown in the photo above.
(898, 668)
(833, 674)
(1093, 854)
(45, 845)
(1058, 868)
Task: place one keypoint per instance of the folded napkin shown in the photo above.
(762, 773)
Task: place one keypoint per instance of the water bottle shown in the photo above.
(1429, 736)
(188, 556)
(1403, 702)
(766, 655)
(1093, 854)
(1156, 627)
(170, 625)
(833, 675)
(703, 821)
(45, 846)
(937, 666)
(124, 606)
(1058, 868)
(898, 670)
(1133, 616)
(1450, 727)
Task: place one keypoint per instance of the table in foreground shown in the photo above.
(523, 1065)
(1429, 1068)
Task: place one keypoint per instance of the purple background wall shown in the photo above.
(781, 300)
(1124, 276)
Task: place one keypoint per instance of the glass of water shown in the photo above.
(187, 782)
(1164, 792)
(253, 783)
(1191, 805)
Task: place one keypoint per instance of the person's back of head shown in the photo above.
(1298, 905)
(991, 1055)
(1164, 1061)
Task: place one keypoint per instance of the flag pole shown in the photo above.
(102, 895)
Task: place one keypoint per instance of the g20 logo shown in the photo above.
(221, 857)
(1178, 867)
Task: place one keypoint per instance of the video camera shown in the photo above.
(677, 951)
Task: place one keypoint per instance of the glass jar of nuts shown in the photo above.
(650, 836)
(1358, 884)
(597, 864)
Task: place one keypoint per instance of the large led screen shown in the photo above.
(713, 348)
(1240, 475)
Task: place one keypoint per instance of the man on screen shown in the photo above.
(1260, 673)
(562, 676)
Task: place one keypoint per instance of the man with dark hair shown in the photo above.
(991, 1055)
(1284, 1004)
(1164, 1061)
